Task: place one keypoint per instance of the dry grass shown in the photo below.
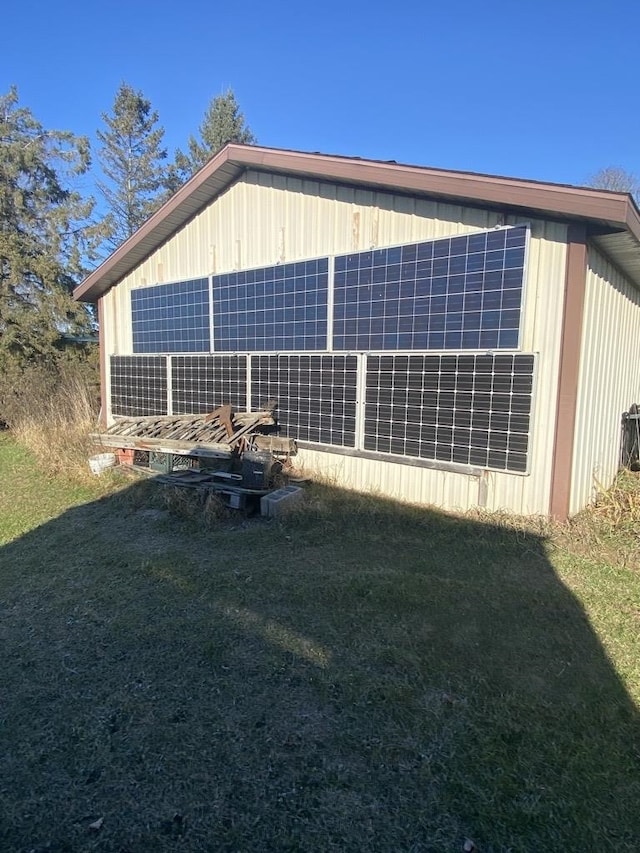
(52, 416)
(200, 507)
(620, 505)
(609, 529)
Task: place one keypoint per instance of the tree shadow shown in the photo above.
(360, 676)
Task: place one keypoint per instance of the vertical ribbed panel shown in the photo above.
(609, 380)
(267, 219)
(403, 482)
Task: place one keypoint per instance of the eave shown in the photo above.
(612, 218)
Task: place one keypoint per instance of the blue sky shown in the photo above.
(544, 90)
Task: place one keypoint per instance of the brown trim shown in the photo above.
(612, 210)
(104, 415)
(574, 293)
(557, 199)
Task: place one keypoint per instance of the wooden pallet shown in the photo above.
(218, 433)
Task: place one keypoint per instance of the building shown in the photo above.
(441, 337)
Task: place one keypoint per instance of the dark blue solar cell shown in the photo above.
(489, 339)
(441, 266)
(453, 322)
(509, 338)
(514, 258)
(455, 302)
(470, 339)
(442, 249)
(495, 240)
(493, 280)
(492, 299)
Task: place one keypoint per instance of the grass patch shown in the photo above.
(362, 676)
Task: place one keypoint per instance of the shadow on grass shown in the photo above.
(361, 676)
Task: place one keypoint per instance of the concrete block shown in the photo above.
(280, 501)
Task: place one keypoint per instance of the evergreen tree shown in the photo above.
(223, 122)
(45, 237)
(132, 160)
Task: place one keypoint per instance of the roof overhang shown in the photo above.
(612, 218)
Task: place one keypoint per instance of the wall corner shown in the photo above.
(568, 372)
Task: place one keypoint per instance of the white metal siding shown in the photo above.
(609, 376)
(266, 219)
(403, 482)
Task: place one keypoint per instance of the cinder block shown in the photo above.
(280, 501)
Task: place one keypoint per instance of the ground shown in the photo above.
(360, 676)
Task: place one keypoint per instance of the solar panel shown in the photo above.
(456, 293)
(138, 385)
(315, 394)
(471, 409)
(201, 383)
(171, 317)
(272, 308)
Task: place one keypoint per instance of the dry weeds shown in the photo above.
(53, 417)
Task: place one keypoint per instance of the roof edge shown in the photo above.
(601, 206)
(147, 227)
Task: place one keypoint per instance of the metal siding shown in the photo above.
(247, 225)
(541, 334)
(609, 378)
(403, 482)
(265, 219)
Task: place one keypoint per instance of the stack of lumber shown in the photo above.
(218, 433)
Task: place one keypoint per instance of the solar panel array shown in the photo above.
(138, 385)
(271, 335)
(456, 293)
(277, 308)
(316, 395)
(471, 409)
(201, 383)
(171, 317)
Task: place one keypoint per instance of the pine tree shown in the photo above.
(132, 160)
(45, 237)
(223, 122)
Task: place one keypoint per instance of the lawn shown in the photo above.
(361, 676)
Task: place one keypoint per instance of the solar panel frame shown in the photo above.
(474, 410)
(463, 292)
(316, 394)
(171, 318)
(272, 309)
(138, 385)
(199, 384)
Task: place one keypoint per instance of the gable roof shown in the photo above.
(612, 218)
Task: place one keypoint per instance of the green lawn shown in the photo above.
(360, 677)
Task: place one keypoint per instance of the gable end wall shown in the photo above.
(609, 378)
(265, 219)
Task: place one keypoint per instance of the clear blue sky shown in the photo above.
(545, 90)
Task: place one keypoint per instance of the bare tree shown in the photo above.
(616, 178)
